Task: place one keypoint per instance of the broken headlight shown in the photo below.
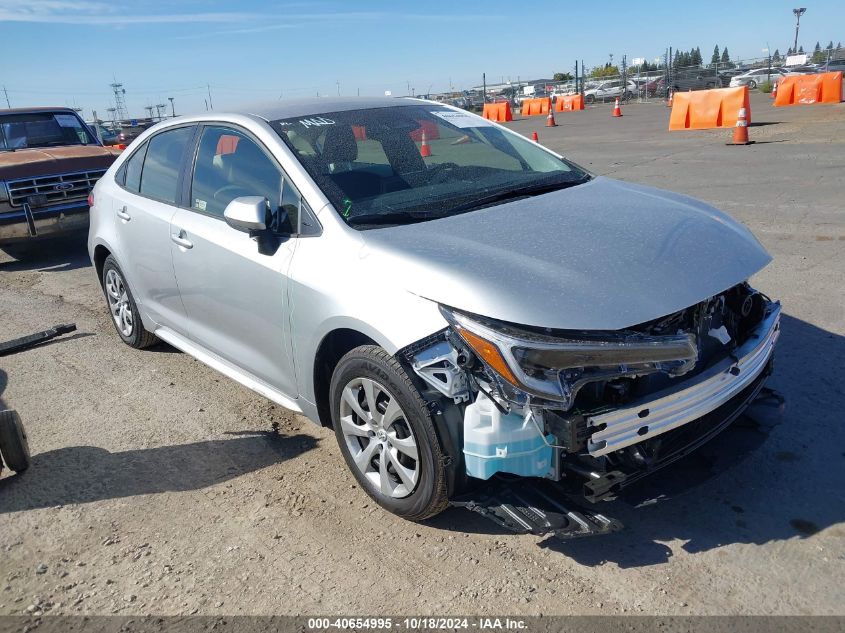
(555, 367)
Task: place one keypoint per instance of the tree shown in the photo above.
(563, 77)
(800, 50)
(607, 70)
(726, 58)
(776, 57)
(696, 57)
(818, 56)
(715, 58)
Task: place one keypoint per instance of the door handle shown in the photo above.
(121, 213)
(181, 239)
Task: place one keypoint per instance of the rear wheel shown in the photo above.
(752, 84)
(386, 434)
(14, 447)
(124, 312)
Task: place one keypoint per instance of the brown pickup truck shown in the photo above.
(49, 162)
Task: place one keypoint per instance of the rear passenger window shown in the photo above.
(132, 171)
(161, 166)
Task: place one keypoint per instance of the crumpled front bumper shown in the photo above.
(26, 223)
(671, 408)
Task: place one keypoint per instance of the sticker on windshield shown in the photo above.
(316, 121)
(200, 204)
(462, 119)
(67, 120)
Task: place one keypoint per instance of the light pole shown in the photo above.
(172, 107)
(798, 13)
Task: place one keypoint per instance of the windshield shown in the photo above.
(407, 164)
(42, 129)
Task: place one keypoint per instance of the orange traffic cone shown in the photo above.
(550, 120)
(741, 130)
(775, 90)
(671, 99)
(534, 137)
(617, 111)
(425, 150)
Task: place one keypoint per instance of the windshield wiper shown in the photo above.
(527, 191)
(392, 217)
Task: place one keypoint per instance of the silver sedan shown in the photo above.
(454, 300)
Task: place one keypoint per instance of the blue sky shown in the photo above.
(66, 52)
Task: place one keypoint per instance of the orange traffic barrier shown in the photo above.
(498, 111)
(705, 109)
(530, 107)
(569, 103)
(807, 89)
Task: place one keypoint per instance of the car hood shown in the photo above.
(604, 255)
(44, 161)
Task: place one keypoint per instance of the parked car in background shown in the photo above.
(757, 76)
(611, 89)
(691, 79)
(486, 307)
(49, 162)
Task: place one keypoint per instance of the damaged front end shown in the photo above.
(596, 411)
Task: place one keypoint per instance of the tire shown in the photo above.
(369, 374)
(125, 316)
(590, 98)
(13, 444)
(752, 84)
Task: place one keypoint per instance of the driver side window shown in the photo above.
(229, 164)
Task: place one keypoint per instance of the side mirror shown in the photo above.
(247, 213)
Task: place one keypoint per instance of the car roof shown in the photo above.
(275, 110)
(36, 109)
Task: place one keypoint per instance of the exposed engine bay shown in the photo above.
(598, 410)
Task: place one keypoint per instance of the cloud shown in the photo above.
(91, 12)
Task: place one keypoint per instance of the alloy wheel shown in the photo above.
(379, 437)
(118, 298)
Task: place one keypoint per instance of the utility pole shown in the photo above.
(119, 104)
(338, 87)
(484, 84)
(5, 92)
(798, 13)
(172, 108)
(149, 110)
(210, 102)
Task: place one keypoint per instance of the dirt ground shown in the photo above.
(157, 485)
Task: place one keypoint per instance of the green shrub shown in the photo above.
(766, 87)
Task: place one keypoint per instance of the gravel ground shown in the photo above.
(159, 486)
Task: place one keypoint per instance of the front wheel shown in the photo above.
(752, 84)
(386, 434)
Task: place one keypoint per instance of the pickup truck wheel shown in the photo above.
(386, 434)
(124, 312)
(13, 445)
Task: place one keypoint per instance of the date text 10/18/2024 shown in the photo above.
(420, 623)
